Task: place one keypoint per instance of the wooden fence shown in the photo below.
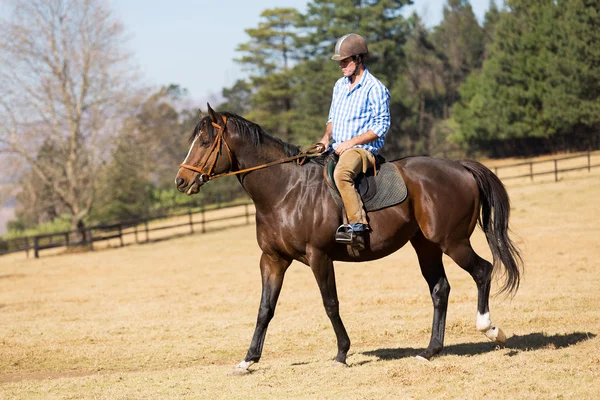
(554, 166)
(140, 229)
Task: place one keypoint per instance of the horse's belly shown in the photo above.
(391, 228)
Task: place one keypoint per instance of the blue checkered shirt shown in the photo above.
(366, 107)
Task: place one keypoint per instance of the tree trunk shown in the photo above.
(79, 231)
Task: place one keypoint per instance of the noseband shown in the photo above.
(208, 174)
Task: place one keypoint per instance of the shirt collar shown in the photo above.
(362, 79)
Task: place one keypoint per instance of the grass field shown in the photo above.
(171, 319)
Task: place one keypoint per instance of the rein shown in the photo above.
(205, 176)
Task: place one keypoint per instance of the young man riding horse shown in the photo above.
(359, 119)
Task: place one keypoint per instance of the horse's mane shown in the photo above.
(258, 137)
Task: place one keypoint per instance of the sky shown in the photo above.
(192, 43)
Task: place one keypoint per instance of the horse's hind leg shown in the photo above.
(481, 271)
(430, 260)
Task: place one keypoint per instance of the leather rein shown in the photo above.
(207, 175)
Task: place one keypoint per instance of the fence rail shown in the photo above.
(552, 166)
(118, 231)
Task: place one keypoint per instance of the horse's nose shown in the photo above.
(180, 182)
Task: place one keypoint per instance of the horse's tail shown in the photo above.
(495, 211)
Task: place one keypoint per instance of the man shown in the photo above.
(359, 119)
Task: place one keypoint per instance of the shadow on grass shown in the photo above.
(532, 341)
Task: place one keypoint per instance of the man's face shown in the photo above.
(348, 65)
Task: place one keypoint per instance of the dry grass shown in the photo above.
(171, 319)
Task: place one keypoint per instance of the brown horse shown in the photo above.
(296, 219)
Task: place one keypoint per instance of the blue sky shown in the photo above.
(192, 43)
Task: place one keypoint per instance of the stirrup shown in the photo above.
(345, 234)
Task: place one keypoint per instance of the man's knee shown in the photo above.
(343, 175)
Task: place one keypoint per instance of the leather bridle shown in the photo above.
(207, 174)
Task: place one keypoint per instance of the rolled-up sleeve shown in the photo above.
(333, 97)
(379, 103)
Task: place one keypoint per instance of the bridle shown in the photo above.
(207, 175)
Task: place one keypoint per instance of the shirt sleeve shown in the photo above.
(379, 103)
(330, 117)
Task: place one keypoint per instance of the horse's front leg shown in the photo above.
(322, 268)
(272, 268)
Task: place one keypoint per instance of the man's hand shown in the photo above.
(320, 147)
(342, 147)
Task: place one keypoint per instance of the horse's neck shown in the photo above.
(269, 186)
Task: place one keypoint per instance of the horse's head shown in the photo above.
(209, 154)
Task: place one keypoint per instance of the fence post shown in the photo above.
(555, 170)
(589, 162)
(67, 239)
(247, 215)
(146, 227)
(27, 245)
(191, 221)
(91, 235)
(203, 220)
(496, 171)
(135, 233)
(121, 235)
(36, 247)
(531, 170)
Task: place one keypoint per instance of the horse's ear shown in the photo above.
(212, 113)
(200, 114)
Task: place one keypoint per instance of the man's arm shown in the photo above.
(363, 138)
(327, 135)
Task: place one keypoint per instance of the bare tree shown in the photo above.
(65, 82)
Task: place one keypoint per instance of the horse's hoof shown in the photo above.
(496, 335)
(501, 338)
(339, 364)
(421, 358)
(242, 368)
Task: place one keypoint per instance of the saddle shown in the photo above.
(377, 191)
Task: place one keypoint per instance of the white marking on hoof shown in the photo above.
(242, 368)
(501, 338)
(484, 322)
(496, 335)
(338, 364)
(421, 358)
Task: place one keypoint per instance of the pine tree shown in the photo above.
(540, 84)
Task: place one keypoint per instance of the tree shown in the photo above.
(65, 79)
(269, 56)
(540, 87)
(237, 98)
(461, 41)
(421, 94)
(572, 98)
(492, 15)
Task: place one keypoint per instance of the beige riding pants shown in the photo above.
(352, 162)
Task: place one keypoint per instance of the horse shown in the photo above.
(296, 219)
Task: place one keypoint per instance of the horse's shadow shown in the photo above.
(531, 341)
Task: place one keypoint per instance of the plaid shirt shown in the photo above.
(354, 112)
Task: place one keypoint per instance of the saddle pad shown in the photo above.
(391, 189)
